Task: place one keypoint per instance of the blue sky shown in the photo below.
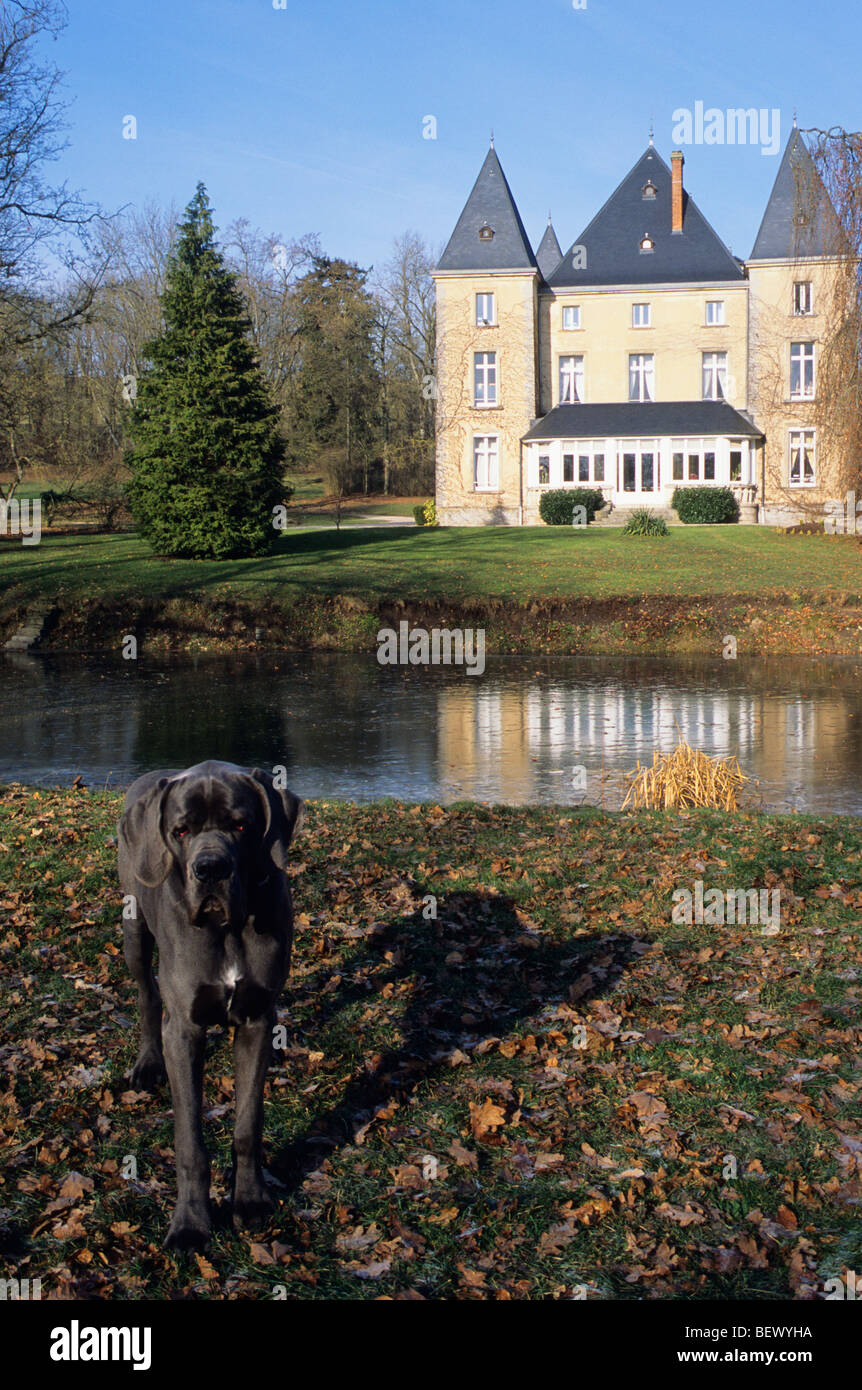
(310, 118)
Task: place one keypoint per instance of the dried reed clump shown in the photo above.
(685, 778)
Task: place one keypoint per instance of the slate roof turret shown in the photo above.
(550, 253)
(489, 209)
(799, 219)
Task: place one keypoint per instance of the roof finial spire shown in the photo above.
(492, 137)
(794, 119)
(651, 130)
(549, 217)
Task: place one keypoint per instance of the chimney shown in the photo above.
(676, 162)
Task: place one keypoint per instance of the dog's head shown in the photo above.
(220, 829)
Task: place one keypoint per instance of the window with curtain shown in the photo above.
(641, 376)
(485, 378)
(485, 463)
(802, 297)
(802, 371)
(714, 376)
(484, 310)
(802, 458)
(571, 380)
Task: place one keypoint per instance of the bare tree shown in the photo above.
(268, 270)
(831, 202)
(405, 340)
(36, 216)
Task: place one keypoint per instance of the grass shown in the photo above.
(453, 563)
(532, 590)
(547, 1087)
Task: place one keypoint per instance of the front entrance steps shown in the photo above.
(618, 515)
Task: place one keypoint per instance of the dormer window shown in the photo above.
(647, 243)
(486, 233)
(649, 189)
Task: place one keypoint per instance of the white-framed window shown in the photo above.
(736, 455)
(714, 376)
(544, 470)
(486, 471)
(693, 460)
(801, 371)
(714, 312)
(641, 315)
(646, 243)
(803, 462)
(486, 310)
(484, 378)
(583, 461)
(571, 316)
(641, 376)
(571, 380)
(803, 298)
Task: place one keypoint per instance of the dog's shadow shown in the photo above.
(471, 974)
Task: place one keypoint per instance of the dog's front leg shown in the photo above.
(184, 1043)
(138, 943)
(252, 1050)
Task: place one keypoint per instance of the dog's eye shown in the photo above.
(180, 831)
(239, 825)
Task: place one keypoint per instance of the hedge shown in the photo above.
(705, 506)
(557, 506)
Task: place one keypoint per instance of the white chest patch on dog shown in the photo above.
(230, 975)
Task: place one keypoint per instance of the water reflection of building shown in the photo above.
(800, 738)
(345, 727)
(509, 740)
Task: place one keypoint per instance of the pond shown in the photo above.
(348, 728)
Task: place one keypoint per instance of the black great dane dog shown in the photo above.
(202, 859)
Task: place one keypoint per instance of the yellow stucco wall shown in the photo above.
(678, 336)
(773, 327)
(514, 339)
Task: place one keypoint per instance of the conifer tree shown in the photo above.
(206, 455)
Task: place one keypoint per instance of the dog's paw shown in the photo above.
(187, 1234)
(250, 1213)
(148, 1073)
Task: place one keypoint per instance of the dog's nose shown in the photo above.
(211, 868)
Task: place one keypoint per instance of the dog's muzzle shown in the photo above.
(214, 892)
(211, 869)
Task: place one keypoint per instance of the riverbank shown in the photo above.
(809, 624)
(548, 1087)
(532, 590)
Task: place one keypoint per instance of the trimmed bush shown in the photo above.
(556, 508)
(429, 511)
(705, 506)
(643, 522)
(419, 516)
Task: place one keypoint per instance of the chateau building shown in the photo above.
(645, 358)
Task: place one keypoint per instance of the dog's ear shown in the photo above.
(141, 833)
(284, 815)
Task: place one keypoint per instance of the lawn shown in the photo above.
(455, 563)
(548, 1090)
(531, 590)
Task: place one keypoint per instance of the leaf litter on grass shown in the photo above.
(549, 1088)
